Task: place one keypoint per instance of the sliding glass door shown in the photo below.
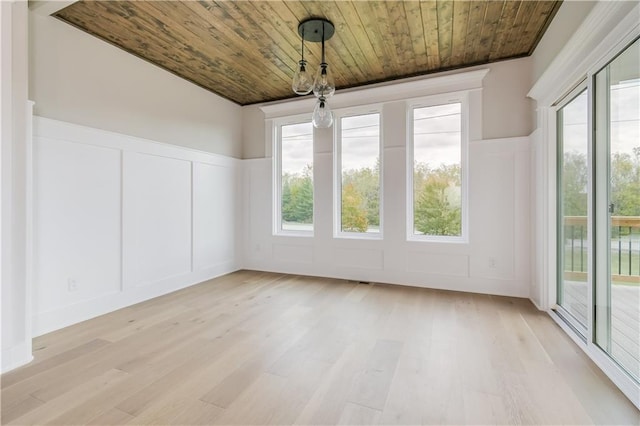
(573, 207)
(598, 209)
(617, 208)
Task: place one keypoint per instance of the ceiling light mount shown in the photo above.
(316, 30)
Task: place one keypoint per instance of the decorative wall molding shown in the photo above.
(393, 259)
(49, 7)
(93, 192)
(384, 92)
(55, 129)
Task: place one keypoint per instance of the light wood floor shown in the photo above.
(262, 348)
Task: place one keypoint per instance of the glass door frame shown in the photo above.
(581, 329)
(598, 268)
(603, 305)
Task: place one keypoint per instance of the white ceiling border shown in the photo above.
(49, 7)
(384, 92)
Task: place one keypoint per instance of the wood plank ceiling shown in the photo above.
(247, 51)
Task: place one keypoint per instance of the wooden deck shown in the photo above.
(625, 320)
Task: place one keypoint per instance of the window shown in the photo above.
(358, 181)
(437, 197)
(294, 178)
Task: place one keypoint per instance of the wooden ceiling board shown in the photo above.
(247, 51)
(492, 17)
(429, 10)
(471, 39)
(355, 33)
(415, 26)
(508, 15)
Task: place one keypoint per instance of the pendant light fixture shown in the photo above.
(302, 83)
(322, 117)
(316, 30)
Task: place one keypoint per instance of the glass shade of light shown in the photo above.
(323, 85)
(322, 117)
(302, 83)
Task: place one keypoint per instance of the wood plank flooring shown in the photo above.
(264, 348)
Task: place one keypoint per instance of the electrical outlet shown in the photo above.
(72, 284)
(492, 262)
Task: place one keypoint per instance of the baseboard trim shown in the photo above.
(46, 322)
(16, 356)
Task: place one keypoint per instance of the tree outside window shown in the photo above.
(437, 170)
(359, 146)
(296, 177)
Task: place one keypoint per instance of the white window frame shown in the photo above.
(448, 98)
(337, 169)
(606, 31)
(277, 176)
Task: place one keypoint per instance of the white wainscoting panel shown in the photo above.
(77, 223)
(492, 195)
(358, 258)
(438, 264)
(293, 253)
(156, 218)
(119, 220)
(496, 260)
(214, 220)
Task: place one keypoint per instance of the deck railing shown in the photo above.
(625, 248)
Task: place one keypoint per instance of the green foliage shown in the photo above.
(437, 205)
(574, 184)
(366, 183)
(625, 183)
(354, 216)
(297, 197)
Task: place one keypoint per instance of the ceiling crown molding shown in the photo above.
(608, 22)
(49, 7)
(384, 92)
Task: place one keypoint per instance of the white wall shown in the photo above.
(498, 210)
(506, 110)
(14, 124)
(78, 78)
(118, 220)
(253, 136)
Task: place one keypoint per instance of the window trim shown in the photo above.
(461, 97)
(337, 172)
(276, 133)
